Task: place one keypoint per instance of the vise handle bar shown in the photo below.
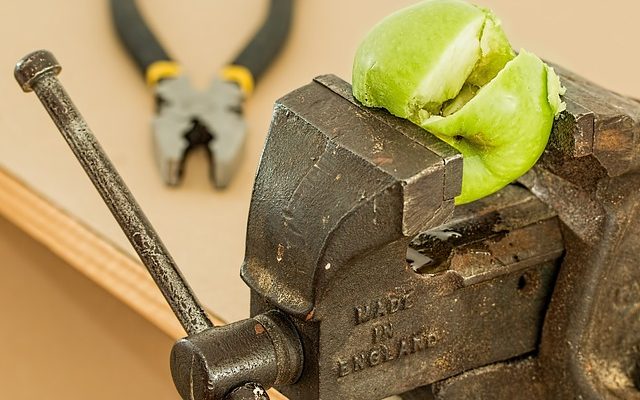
(37, 72)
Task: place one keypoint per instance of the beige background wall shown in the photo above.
(204, 229)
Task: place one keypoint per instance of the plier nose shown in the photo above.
(186, 118)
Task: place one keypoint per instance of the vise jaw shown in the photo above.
(339, 194)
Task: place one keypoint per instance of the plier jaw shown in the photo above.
(187, 119)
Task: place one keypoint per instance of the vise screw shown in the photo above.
(366, 282)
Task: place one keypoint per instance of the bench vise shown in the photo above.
(531, 293)
(366, 281)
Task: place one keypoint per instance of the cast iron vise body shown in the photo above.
(531, 293)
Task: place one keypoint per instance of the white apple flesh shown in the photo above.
(447, 66)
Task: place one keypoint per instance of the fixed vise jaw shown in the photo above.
(336, 181)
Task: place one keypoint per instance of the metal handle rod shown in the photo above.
(37, 72)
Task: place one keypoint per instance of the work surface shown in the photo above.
(203, 228)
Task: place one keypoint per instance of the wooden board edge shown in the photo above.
(89, 253)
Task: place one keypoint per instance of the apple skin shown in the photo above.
(503, 130)
(411, 46)
(448, 67)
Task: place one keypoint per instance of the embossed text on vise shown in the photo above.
(384, 352)
(380, 307)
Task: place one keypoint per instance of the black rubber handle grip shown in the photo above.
(134, 33)
(269, 40)
(145, 49)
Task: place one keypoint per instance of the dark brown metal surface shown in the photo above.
(481, 294)
(591, 342)
(524, 383)
(264, 349)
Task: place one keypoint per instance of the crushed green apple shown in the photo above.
(447, 66)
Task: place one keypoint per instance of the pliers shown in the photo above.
(186, 118)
